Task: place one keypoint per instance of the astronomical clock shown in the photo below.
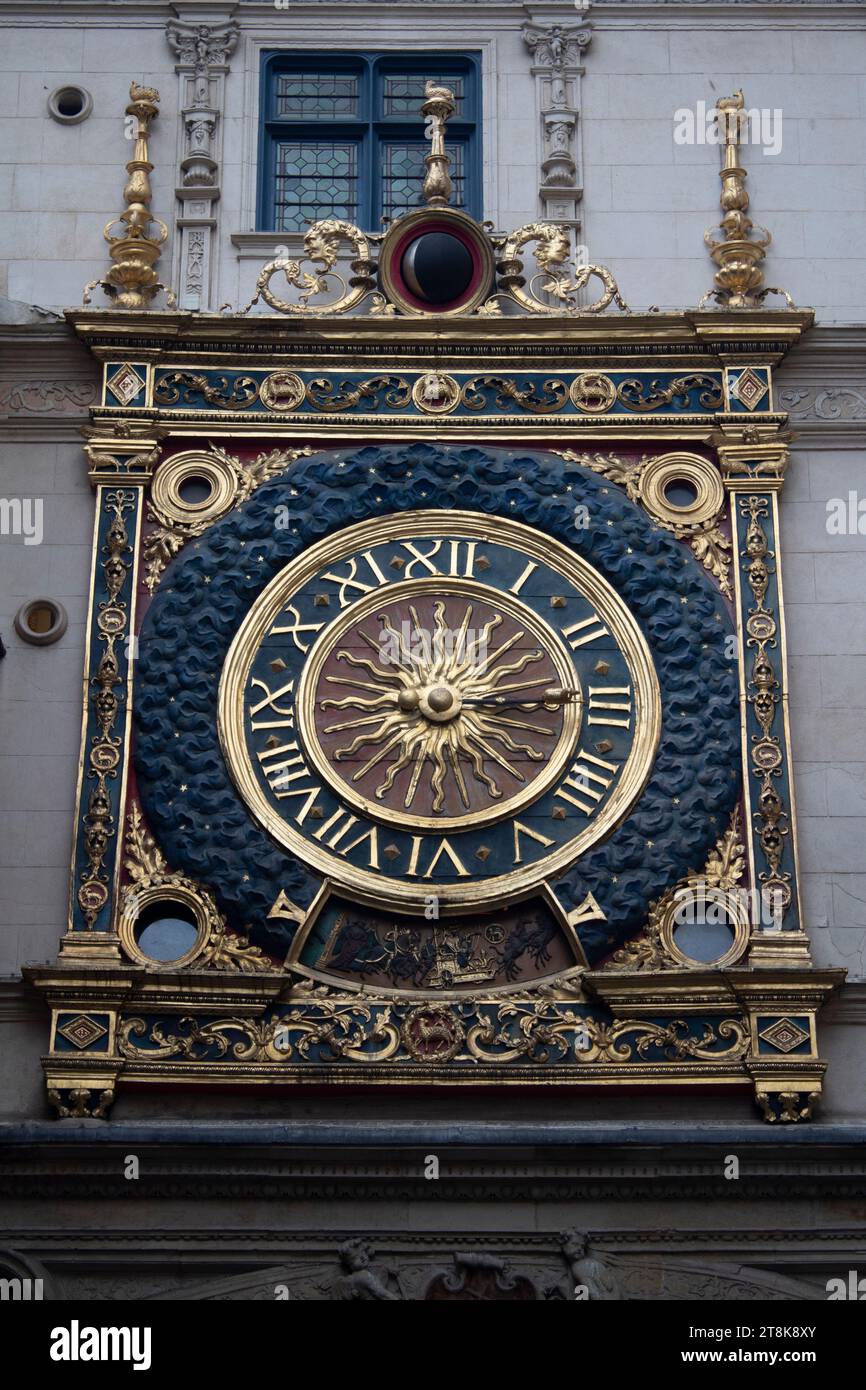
(435, 728)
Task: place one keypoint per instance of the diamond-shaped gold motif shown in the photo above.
(749, 388)
(125, 384)
(784, 1034)
(82, 1031)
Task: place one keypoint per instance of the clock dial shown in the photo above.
(439, 704)
(435, 705)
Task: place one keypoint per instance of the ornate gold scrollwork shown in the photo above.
(215, 947)
(633, 395)
(546, 1031)
(235, 395)
(550, 396)
(552, 250)
(656, 948)
(645, 480)
(345, 1028)
(321, 247)
(324, 395)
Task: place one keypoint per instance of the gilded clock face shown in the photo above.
(443, 704)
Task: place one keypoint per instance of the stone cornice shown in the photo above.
(48, 382)
(822, 384)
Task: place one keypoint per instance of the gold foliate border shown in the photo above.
(176, 521)
(215, 947)
(644, 480)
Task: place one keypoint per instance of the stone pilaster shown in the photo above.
(202, 52)
(557, 51)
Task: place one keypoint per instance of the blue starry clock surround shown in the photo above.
(188, 795)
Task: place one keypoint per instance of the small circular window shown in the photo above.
(166, 931)
(706, 942)
(195, 491)
(69, 105)
(680, 492)
(41, 621)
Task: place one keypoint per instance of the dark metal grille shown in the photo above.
(315, 179)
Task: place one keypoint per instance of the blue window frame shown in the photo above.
(341, 136)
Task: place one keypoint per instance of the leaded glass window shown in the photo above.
(342, 136)
(403, 171)
(315, 179)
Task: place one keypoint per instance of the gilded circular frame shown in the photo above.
(465, 229)
(137, 900)
(729, 900)
(659, 472)
(534, 544)
(592, 387)
(193, 463)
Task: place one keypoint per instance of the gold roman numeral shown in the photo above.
(585, 631)
(287, 719)
(350, 580)
(336, 828)
(444, 848)
(616, 698)
(521, 580)
(587, 786)
(520, 829)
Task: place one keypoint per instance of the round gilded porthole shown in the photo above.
(680, 493)
(195, 491)
(436, 261)
(70, 104)
(704, 925)
(163, 925)
(194, 487)
(166, 932)
(41, 621)
(681, 488)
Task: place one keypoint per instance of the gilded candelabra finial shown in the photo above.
(438, 106)
(132, 281)
(739, 255)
